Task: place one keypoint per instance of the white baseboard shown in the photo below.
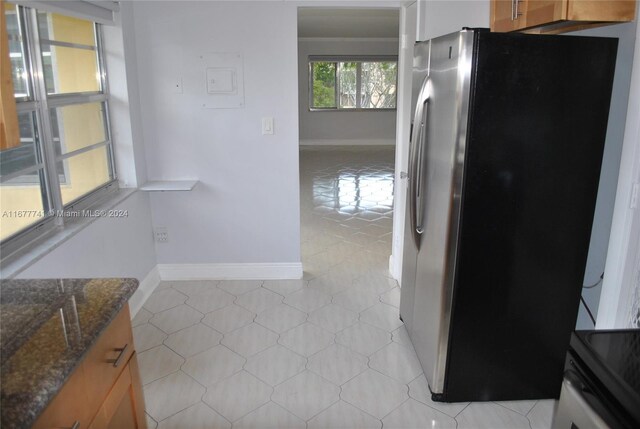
(145, 289)
(249, 271)
(347, 142)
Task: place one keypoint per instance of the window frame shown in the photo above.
(358, 59)
(40, 105)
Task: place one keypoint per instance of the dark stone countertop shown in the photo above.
(46, 328)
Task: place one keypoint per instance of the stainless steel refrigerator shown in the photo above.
(506, 147)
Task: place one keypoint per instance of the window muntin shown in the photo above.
(66, 29)
(65, 158)
(70, 70)
(84, 173)
(352, 83)
(23, 181)
(69, 54)
(78, 126)
(348, 91)
(27, 155)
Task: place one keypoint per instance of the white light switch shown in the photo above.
(267, 126)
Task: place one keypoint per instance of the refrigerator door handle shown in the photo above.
(420, 173)
(416, 162)
(415, 134)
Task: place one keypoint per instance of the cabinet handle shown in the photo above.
(117, 360)
(515, 14)
(76, 425)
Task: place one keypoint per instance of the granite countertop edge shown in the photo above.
(25, 413)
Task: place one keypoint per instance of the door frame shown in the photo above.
(407, 37)
(408, 33)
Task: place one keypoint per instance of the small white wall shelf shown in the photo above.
(168, 185)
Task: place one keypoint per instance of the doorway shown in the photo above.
(348, 97)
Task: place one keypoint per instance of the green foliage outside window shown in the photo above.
(379, 85)
(360, 84)
(324, 84)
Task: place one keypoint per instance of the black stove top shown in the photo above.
(613, 356)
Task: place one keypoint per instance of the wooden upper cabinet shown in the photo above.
(9, 128)
(558, 16)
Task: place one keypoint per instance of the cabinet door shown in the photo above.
(503, 16)
(611, 10)
(107, 358)
(123, 408)
(511, 15)
(69, 408)
(539, 12)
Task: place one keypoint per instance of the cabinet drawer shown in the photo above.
(123, 407)
(107, 359)
(69, 407)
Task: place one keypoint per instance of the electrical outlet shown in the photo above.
(161, 234)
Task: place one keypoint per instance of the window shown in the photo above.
(65, 158)
(352, 83)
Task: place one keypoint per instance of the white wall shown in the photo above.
(440, 17)
(626, 33)
(109, 247)
(343, 127)
(131, 100)
(619, 304)
(119, 111)
(246, 208)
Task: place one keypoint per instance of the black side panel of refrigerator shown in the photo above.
(538, 120)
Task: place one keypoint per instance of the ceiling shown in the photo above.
(343, 22)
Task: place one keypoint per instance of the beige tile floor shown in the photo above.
(327, 351)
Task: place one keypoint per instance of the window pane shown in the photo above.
(324, 84)
(22, 198)
(83, 173)
(16, 52)
(77, 126)
(378, 86)
(347, 77)
(66, 29)
(68, 70)
(22, 202)
(27, 154)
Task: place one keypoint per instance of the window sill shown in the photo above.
(22, 259)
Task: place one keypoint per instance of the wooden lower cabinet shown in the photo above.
(69, 408)
(105, 391)
(100, 366)
(124, 406)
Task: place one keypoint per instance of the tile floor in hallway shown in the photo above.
(327, 351)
